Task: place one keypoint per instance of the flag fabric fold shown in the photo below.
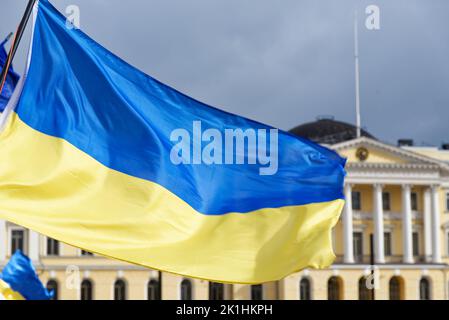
(11, 79)
(92, 156)
(19, 281)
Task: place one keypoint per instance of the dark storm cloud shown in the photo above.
(285, 62)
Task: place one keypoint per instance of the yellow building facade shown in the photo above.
(397, 207)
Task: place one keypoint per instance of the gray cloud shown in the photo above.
(284, 63)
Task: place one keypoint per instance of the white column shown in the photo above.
(347, 226)
(436, 248)
(33, 245)
(379, 247)
(407, 244)
(3, 241)
(427, 218)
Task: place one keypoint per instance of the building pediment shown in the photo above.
(366, 152)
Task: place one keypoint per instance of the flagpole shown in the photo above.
(357, 76)
(15, 44)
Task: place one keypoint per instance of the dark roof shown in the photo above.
(328, 131)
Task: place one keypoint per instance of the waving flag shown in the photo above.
(11, 79)
(19, 280)
(99, 155)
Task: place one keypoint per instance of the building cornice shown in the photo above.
(388, 215)
(400, 166)
(405, 266)
(391, 174)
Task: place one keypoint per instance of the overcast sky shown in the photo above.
(284, 62)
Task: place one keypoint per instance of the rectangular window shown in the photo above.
(415, 243)
(414, 196)
(17, 241)
(386, 201)
(358, 246)
(387, 243)
(52, 247)
(356, 201)
(447, 242)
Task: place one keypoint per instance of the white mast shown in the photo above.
(357, 76)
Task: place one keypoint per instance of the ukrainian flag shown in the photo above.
(86, 160)
(19, 281)
(11, 79)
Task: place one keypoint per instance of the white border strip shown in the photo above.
(13, 101)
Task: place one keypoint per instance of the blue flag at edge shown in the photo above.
(11, 79)
(21, 276)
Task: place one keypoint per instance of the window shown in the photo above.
(120, 290)
(358, 246)
(52, 286)
(364, 292)
(415, 243)
(186, 290)
(424, 289)
(86, 290)
(52, 247)
(334, 289)
(395, 288)
(386, 204)
(356, 200)
(305, 292)
(86, 253)
(257, 292)
(154, 290)
(387, 243)
(17, 241)
(216, 291)
(414, 198)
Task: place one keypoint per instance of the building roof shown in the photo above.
(432, 152)
(326, 130)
